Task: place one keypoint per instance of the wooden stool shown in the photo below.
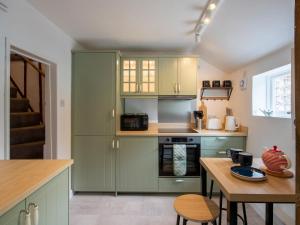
(196, 208)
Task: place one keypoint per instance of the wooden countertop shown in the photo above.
(20, 178)
(273, 189)
(153, 132)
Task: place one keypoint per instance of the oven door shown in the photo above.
(166, 160)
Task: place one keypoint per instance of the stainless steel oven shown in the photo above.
(166, 154)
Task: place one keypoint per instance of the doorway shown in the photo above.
(29, 100)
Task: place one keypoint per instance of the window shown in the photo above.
(271, 93)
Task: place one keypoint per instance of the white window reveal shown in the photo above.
(271, 93)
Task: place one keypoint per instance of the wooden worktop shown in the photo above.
(153, 132)
(20, 178)
(274, 189)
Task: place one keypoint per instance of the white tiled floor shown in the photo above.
(96, 209)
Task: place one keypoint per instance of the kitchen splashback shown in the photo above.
(175, 111)
(148, 106)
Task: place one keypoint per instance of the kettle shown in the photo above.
(231, 123)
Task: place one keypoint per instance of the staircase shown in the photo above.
(27, 132)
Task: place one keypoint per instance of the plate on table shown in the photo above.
(248, 173)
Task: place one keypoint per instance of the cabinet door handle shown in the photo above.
(179, 181)
(137, 88)
(140, 89)
(221, 138)
(222, 152)
(179, 88)
(118, 144)
(25, 220)
(113, 144)
(175, 88)
(33, 210)
(113, 113)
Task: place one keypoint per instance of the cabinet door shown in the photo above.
(129, 76)
(187, 78)
(168, 71)
(137, 164)
(93, 93)
(12, 216)
(148, 78)
(94, 167)
(53, 200)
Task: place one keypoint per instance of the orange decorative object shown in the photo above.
(275, 160)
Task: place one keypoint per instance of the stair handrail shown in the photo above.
(34, 66)
(20, 92)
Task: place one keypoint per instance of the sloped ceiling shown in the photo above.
(241, 31)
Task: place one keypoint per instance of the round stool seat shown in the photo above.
(196, 208)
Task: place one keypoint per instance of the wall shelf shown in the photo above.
(227, 91)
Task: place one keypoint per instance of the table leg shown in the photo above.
(232, 213)
(269, 213)
(203, 181)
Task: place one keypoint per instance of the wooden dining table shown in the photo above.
(270, 191)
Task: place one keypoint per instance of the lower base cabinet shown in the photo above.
(137, 164)
(94, 164)
(52, 200)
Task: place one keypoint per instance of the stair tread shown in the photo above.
(19, 99)
(29, 144)
(28, 127)
(24, 113)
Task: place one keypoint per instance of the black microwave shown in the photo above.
(131, 122)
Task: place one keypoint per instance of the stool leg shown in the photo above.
(184, 221)
(211, 188)
(178, 220)
(220, 207)
(245, 214)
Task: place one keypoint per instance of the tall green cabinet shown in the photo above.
(93, 120)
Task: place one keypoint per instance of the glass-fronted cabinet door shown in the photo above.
(148, 78)
(139, 76)
(129, 77)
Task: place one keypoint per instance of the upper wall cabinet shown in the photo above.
(139, 76)
(178, 76)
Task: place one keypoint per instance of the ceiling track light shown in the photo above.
(206, 17)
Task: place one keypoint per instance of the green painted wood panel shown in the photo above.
(168, 73)
(221, 143)
(93, 93)
(137, 164)
(94, 163)
(187, 76)
(53, 200)
(12, 216)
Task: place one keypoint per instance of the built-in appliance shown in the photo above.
(134, 122)
(166, 155)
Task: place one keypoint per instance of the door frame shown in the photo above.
(50, 151)
(297, 105)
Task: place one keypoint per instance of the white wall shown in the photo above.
(30, 31)
(209, 72)
(264, 131)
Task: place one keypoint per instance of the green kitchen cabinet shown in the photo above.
(52, 200)
(13, 215)
(94, 163)
(137, 164)
(168, 76)
(216, 146)
(187, 76)
(139, 76)
(93, 93)
(178, 76)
